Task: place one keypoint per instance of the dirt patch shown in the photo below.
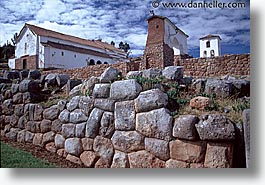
(41, 153)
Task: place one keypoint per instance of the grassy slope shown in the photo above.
(15, 158)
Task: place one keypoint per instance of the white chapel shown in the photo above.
(210, 46)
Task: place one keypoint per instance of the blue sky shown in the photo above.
(120, 20)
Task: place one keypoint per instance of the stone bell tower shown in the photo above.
(163, 41)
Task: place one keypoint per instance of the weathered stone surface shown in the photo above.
(107, 125)
(157, 147)
(59, 141)
(29, 137)
(196, 165)
(7, 107)
(173, 72)
(77, 116)
(62, 153)
(51, 113)
(18, 98)
(11, 74)
(50, 80)
(215, 127)
(12, 134)
(61, 105)
(37, 140)
(56, 126)
(68, 130)
(62, 79)
(89, 158)
(28, 85)
(125, 90)
(14, 88)
(80, 130)
(127, 141)
(88, 85)
(86, 104)
(48, 137)
(101, 90)
(73, 103)
(93, 123)
(33, 126)
(38, 111)
(102, 163)
(29, 111)
(241, 87)
(171, 163)
(188, 151)
(120, 160)
(143, 159)
(7, 128)
(87, 143)
(73, 159)
(151, 99)
(200, 102)
(45, 126)
(73, 146)
(184, 127)
(72, 83)
(34, 74)
(21, 136)
(134, 74)
(109, 75)
(104, 148)
(151, 73)
(246, 126)
(51, 147)
(13, 120)
(124, 115)
(219, 155)
(105, 104)
(7, 94)
(156, 123)
(199, 85)
(64, 116)
(221, 88)
(75, 91)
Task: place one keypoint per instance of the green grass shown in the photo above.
(16, 158)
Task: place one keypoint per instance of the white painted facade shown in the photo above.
(175, 38)
(210, 46)
(49, 56)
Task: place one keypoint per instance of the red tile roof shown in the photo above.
(210, 36)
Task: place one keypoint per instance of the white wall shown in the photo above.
(30, 40)
(11, 63)
(53, 58)
(177, 41)
(214, 45)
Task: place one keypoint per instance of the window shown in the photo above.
(212, 53)
(75, 55)
(99, 62)
(62, 53)
(25, 48)
(208, 44)
(205, 54)
(157, 26)
(24, 63)
(92, 62)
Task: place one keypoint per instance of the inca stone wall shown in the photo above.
(120, 126)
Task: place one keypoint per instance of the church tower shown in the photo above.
(210, 46)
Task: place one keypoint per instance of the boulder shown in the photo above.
(173, 72)
(86, 104)
(23, 74)
(73, 159)
(155, 124)
(34, 74)
(215, 127)
(77, 116)
(89, 158)
(143, 159)
(105, 104)
(184, 127)
(220, 88)
(73, 146)
(171, 163)
(51, 113)
(12, 134)
(87, 143)
(56, 126)
(120, 160)
(151, 73)
(13, 120)
(151, 99)
(14, 88)
(125, 90)
(28, 85)
(127, 141)
(75, 91)
(88, 85)
(51, 147)
(22, 122)
(157, 147)
(241, 87)
(64, 116)
(104, 148)
(101, 90)
(50, 80)
(59, 141)
(7, 94)
(29, 137)
(68, 130)
(38, 112)
(33, 126)
(45, 126)
(19, 110)
(71, 83)
(61, 152)
(200, 102)
(37, 140)
(246, 128)
(93, 123)
(80, 130)
(18, 98)
(188, 151)
(199, 85)
(73, 103)
(21, 136)
(107, 125)
(109, 75)
(11, 75)
(134, 74)
(7, 107)
(48, 137)
(62, 79)
(61, 105)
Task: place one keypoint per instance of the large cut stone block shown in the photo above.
(173, 72)
(159, 148)
(73, 146)
(93, 123)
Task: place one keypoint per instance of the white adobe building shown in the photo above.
(210, 46)
(39, 48)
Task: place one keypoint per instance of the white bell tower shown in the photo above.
(210, 46)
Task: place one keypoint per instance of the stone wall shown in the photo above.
(121, 126)
(235, 65)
